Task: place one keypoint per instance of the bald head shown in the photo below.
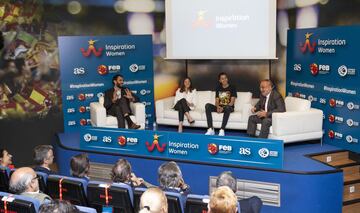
(24, 179)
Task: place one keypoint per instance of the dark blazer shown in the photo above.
(275, 104)
(109, 94)
(44, 170)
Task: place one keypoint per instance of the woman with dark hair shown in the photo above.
(185, 101)
(6, 159)
(80, 166)
(122, 173)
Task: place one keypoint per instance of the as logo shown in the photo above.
(245, 151)
(155, 143)
(79, 71)
(91, 49)
(107, 139)
(307, 45)
(102, 69)
(212, 148)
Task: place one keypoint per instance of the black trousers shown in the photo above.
(119, 109)
(265, 126)
(251, 205)
(209, 108)
(181, 106)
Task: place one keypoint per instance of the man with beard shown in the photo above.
(117, 103)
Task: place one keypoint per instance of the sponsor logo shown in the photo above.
(71, 123)
(91, 49)
(82, 109)
(312, 98)
(244, 151)
(135, 67)
(102, 69)
(88, 137)
(336, 103)
(314, 69)
(81, 97)
(70, 110)
(337, 119)
(146, 103)
(307, 45)
(299, 95)
(70, 98)
(79, 71)
(212, 148)
(83, 122)
(322, 100)
(155, 143)
(350, 122)
(352, 106)
(319, 69)
(144, 92)
(122, 140)
(114, 68)
(201, 20)
(351, 139)
(107, 139)
(264, 152)
(297, 67)
(225, 149)
(332, 134)
(100, 94)
(344, 71)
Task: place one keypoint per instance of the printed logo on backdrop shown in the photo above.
(214, 149)
(319, 69)
(91, 49)
(344, 71)
(307, 45)
(123, 141)
(155, 144)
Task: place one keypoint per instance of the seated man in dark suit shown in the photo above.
(43, 158)
(249, 205)
(171, 179)
(117, 103)
(270, 101)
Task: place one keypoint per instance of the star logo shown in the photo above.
(91, 49)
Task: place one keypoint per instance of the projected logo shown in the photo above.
(91, 49)
(155, 143)
(201, 21)
(307, 46)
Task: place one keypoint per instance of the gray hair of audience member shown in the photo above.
(169, 175)
(121, 171)
(79, 165)
(226, 179)
(58, 206)
(153, 200)
(40, 153)
(21, 184)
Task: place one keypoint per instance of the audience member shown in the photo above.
(270, 101)
(121, 173)
(43, 158)
(6, 159)
(249, 205)
(153, 200)
(222, 200)
(24, 181)
(117, 102)
(224, 103)
(58, 206)
(80, 166)
(171, 179)
(185, 101)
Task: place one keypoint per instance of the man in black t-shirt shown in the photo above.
(224, 103)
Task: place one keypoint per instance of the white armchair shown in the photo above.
(300, 122)
(100, 119)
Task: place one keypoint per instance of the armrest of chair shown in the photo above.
(163, 104)
(97, 114)
(246, 112)
(138, 110)
(296, 122)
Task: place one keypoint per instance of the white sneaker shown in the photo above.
(210, 131)
(221, 132)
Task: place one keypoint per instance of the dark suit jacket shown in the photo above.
(275, 104)
(109, 94)
(44, 170)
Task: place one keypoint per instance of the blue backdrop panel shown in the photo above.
(191, 147)
(88, 64)
(322, 66)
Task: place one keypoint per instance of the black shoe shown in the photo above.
(134, 126)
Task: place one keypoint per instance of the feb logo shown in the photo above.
(212, 148)
(331, 134)
(308, 46)
(83, 122)
(81, 97)
(82, 109)
(155, 143)
(102, 69)
(331, 118)
(91, 49)
(121, 140)
(332, 102)
(314, 69)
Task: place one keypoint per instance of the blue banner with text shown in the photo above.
(88, 64)
(237, 151)
(322, 67)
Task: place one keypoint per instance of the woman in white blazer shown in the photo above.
(185, 101)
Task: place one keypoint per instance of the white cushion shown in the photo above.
(242, 98)
(202, 97)
(297, 104)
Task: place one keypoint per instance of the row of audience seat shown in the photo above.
(79, 191)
